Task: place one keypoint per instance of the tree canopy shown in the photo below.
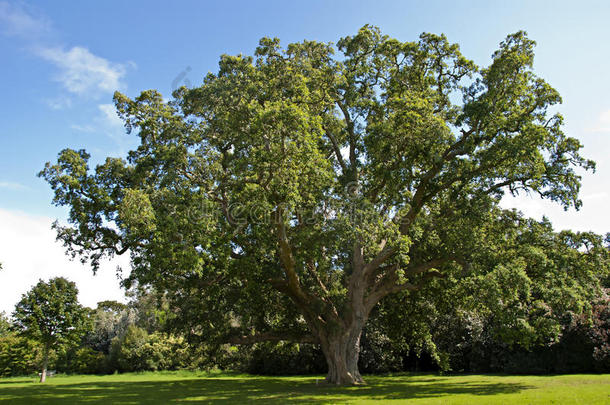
(295, 189)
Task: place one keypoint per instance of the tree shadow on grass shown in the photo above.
(14, 380)
(243, 390)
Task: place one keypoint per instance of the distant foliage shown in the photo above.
(5, 325)
(284, 359)
(139, 351)
(18, 355)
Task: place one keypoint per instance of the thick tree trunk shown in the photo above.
(45, 364)
(342, 352)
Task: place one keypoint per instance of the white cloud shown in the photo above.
(12, 185)
(83, 128)
(83, 73)
(15, 20)
(59, 103)
(30, 252)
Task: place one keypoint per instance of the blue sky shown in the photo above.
(61, 62)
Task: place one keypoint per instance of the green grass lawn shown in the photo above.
(198, 387)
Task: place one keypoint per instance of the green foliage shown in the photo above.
(151, 309)
(110, 320)
(136, 350)
(5, 325)
(473, 346)
(596, 332)
(111, 306)
(378, 353)
(539, 277)
(50, 313)
(516, 298)
(284, 359)
(136, 212)
(128, 352)
(80, 360)
(18, 355)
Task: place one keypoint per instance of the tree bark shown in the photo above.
(342, 352)
(45, 363)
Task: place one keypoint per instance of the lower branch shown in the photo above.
(294, 337)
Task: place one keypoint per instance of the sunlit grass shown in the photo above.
(198, 387)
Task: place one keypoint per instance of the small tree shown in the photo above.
(50, 314)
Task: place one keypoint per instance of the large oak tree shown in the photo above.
(292, 191)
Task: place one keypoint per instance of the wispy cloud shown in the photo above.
(81, 72)
(83, 128)
(107, 122)
(59, 102)
(113, 127)
(109, 115)
(603, 122)
(22, 21)
(12, 185)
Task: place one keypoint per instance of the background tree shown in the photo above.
(5, 324)
(294, 190)
(50, 314)
(515, 308)
(110, 319)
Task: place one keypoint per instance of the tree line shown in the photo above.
(538, 302)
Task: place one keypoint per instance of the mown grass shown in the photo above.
(228, 388)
